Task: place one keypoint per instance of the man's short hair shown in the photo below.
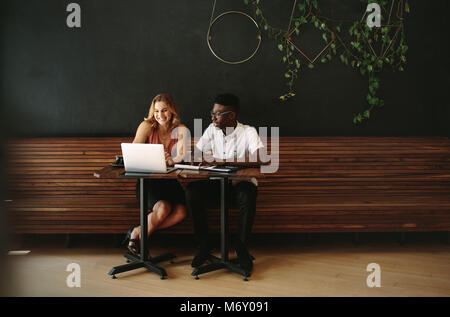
(228, 100)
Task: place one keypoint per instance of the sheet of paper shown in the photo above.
(17, 252)
(186, 166)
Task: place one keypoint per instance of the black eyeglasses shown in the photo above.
(219, 114)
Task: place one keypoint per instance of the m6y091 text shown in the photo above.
(246, 306)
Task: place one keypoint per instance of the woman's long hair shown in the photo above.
(168, 100)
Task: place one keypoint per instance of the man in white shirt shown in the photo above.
(225, 139)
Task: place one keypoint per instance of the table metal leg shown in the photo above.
(224, 218)
(143, 202)
(223, 262)
(143, 261)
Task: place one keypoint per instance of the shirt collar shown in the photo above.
(238, 127)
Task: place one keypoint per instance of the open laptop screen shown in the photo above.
(144, 158)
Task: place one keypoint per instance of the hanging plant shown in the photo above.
(294, 57)
(303, 12)
(373, 49)
(370, 51)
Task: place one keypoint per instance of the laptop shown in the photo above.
(140, 159)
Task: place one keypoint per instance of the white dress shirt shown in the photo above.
(240, 143)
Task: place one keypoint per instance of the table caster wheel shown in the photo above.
(196, 277)
(163, 277)
(245, 279)
(113, 277)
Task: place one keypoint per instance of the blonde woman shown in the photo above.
(166, 200)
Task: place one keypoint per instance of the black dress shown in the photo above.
(162, 189)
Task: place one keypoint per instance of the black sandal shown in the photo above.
(134, 249)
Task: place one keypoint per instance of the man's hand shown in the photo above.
(208, 159)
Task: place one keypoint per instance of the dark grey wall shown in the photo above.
(100, 79)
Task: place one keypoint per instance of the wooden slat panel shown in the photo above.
(323, 184)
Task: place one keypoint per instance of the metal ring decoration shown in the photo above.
(208, 37)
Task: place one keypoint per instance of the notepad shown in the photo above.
(219, 169)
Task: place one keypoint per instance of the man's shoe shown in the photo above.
(201, 255)
(245, 259)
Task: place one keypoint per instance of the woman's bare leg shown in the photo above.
(154, 219)
(178, 213)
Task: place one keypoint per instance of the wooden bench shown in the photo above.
(324, 184)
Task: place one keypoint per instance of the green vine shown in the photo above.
(368, 50)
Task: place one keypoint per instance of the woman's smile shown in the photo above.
(162, 113)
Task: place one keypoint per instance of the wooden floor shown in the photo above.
(285, 266)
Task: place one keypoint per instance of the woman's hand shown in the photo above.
(169, 159)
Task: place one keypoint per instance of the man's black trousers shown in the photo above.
(207, 193)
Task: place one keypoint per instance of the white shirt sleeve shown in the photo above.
(254, 141)
(205, 142)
